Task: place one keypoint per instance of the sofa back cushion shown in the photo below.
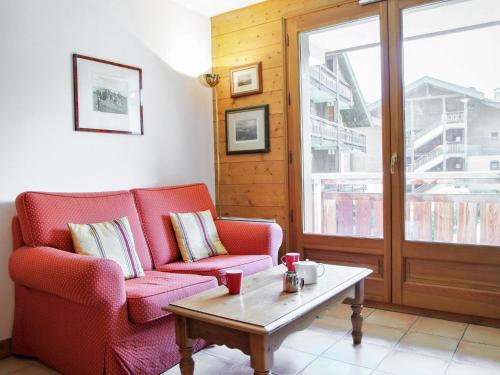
(44, 217)
(156, 204)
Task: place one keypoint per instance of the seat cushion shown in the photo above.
(218, 265)
(44, 217)
(147, 295)
(156, 204)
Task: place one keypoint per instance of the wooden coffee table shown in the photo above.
(262, 316)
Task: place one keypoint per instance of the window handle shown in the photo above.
(394, 162)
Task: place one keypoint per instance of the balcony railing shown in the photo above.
(325, 78)
(424, 159)
(454, 218)
(438, 151)
(454, 117)
(329, 130)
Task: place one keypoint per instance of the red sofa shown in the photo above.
(78, 315)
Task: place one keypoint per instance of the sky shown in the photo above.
(470, 58)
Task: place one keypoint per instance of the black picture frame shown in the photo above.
(260, 111)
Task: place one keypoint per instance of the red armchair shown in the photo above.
(78, 315)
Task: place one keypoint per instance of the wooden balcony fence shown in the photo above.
(453, 218)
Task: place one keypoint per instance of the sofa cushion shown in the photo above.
(109, 240)
(147, 295)
(156, 204)
(197, 235)
(44, 217)
(218, 265)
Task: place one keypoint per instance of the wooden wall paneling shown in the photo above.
(265, 172)
(253, 195)
(247, 39)
(253, 185)
(265, 12)
(256, 185)
(271, 57)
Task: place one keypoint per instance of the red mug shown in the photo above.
(232, 280)
(288, 259)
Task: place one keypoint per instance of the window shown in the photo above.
(450, 76)
(341, 132)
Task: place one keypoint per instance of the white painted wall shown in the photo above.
(39, 149)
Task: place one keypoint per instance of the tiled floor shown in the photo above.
(393, 343)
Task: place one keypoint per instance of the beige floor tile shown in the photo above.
(344, 311)
(437, 346)
(240, 370)
(466, 369)
(35, 363)
(331, 325)
(439, 327)
(364, 355)
(232, 355)
(33, 370)
(407, 363)
(205, 364)
(311, 341)
(483, 335)
(382, 335)
(11, 364)
(324, 366)
(391, 319)
(288, 361)
(478, 354)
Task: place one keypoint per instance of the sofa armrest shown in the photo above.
(82, 279)
(244, 237)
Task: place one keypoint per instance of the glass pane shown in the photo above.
(452, 122)
(341, 130)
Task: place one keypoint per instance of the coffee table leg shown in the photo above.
(356, 317)
(261, 354)
(185, 345)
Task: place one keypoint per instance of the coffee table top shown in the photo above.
(262, 305)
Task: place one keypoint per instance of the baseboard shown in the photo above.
(5, 348)
(471, 319)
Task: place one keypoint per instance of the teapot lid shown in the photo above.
(305, 262)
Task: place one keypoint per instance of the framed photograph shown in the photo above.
(107, 95)
(246, 80)
(247, 130)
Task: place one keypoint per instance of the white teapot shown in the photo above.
(308, 269)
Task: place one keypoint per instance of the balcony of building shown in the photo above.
(327, 134)
(351, 204)
(325, 85)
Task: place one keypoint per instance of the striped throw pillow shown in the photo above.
(197, 235)
(110, 240)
